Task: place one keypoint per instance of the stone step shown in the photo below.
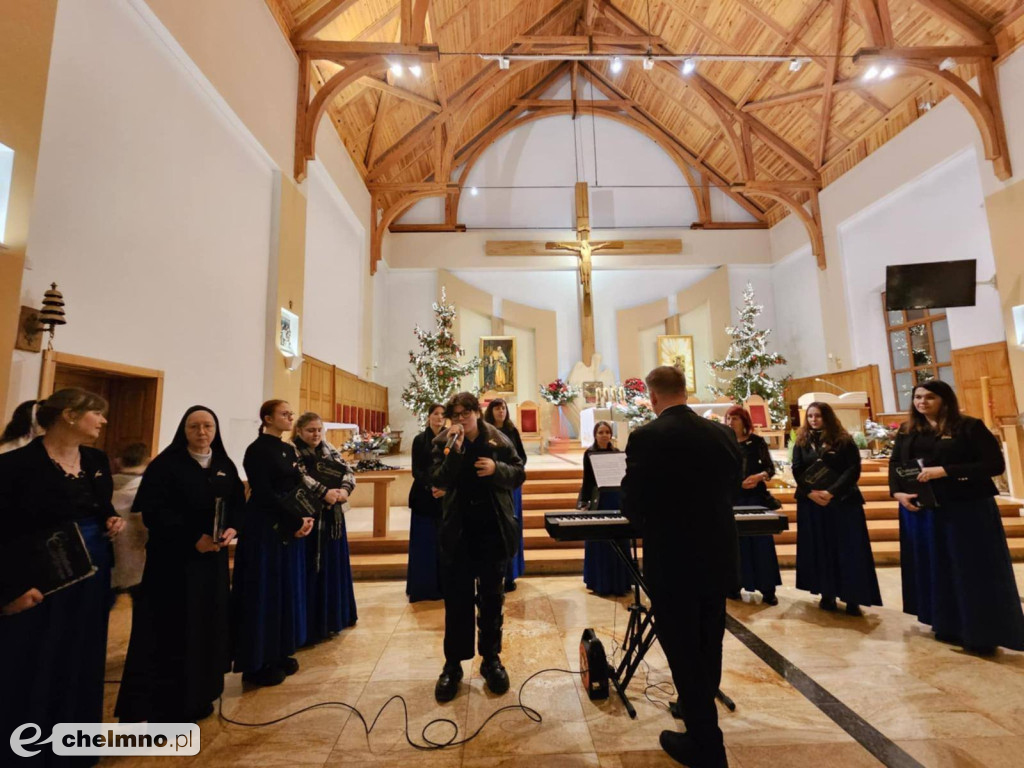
(567, 472)
(549, 501)
(566, 485)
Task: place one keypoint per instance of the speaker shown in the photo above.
(594, 665)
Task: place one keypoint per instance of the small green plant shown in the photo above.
(860, 441)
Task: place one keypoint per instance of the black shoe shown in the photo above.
(680, 747)
(852, 609)
(675, 711)
(289, 665)
(951, 639)
(448, 683)
(510, 586)
(266, 676)
(494, 675)
(769, 598)
(201, 714)
(827, 604)
(981, 650)
(737, 595)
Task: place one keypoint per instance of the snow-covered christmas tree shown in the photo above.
(748, 361)
(437, 369)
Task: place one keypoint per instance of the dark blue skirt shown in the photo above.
(331, 599)
(961, 575)
(269, 600)
(759, 563)
(604, 573)
(423, 577)
(53, 656)
(833, 552)
(517, 563)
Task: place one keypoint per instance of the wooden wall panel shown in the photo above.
(992, 360)
(327, 390)
(316, 389)
(864, 379)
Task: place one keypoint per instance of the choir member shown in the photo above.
(681, 474)
(130, 544)
(21, 429)
(53, 647)
(191, 500)
(497, 415)
(604, 573)
(423, 578)
(957, 574)
(331, 603)
(270, 561)
(759, 564)
(833, 551)
(478, 536)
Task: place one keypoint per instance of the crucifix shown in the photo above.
(584, 248)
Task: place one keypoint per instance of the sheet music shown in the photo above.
(609, 469)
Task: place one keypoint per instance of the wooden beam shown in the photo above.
(871, 22)
(573, 87)
(704, 201)
(413, 186)
(370, 145)
(776, 185)
(345, 51)
(926, 53)
(320, 18)
(748, 152)
(990, 94)
(715, 225)
(850, 84)
(538, 248)
(401, 93)
(301, 105)
(559, 103)
(427, 228)
(838, 17)
(966, 20)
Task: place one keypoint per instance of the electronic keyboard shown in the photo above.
(603, 525)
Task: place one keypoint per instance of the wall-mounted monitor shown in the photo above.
(934, 284)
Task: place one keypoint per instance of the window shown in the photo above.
(6, 167)
(919, 349)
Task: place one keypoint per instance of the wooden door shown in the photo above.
(992, 360)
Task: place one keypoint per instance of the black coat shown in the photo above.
(843, 460)
(271, 465)
(589, 481)
(34, 497)
(681, 474)
(421, 501)
(508, 475)
(971, 457)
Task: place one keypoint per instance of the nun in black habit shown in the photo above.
(191, 500)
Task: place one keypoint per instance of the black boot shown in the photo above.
(289, 665)
(769, 598)
(494, 674)
(827, 603)
(267, 676)
(447, 685)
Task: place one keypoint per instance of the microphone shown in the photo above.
(836, 386)
(451, 442)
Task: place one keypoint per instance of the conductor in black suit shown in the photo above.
(681, 472)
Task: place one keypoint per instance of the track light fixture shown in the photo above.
(947, 64)
(474, 191)
(795, 65)
(648, 63)
(396, 69)
(416, 70)
(616, 65)
(872, 73)
(887, 71)
(503, 62)
(688, 66)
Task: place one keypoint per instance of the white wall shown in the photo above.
(333, 291)
(697, 323)
(152, 212)
(938, 217)
(797, 332)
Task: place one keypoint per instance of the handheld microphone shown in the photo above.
(451, 442)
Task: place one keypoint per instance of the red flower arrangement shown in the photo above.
(634, 388)
(558, 392)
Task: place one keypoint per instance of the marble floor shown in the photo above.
(933, 703)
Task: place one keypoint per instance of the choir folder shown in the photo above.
(906, 479)
(51, 560)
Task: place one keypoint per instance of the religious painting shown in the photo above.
(288, 341)
(678, 351)
(591, 391)
(498, 364)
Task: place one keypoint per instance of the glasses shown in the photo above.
(459, 415)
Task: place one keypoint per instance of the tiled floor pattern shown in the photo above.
(943, 707)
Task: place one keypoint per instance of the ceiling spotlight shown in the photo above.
(872, 73)
(947, 64)
(474, 191)
(503, 62)
(688, 66)
(616, 65)
(649, 63)
(888, 71)
(396, 69)
(416, 70)
(795, 65)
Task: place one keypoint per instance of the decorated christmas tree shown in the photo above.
(748, 362)
(437, 369)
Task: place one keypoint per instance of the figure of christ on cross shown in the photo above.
(583, 249)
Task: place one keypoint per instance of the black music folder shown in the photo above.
(50, 560)
(819, 476)
(906, 480)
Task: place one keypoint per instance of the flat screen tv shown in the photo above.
(935, 284)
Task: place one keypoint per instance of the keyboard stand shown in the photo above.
(640, 634)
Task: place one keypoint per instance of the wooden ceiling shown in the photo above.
(769, 136)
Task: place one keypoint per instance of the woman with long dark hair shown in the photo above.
(53, 647)
(956, 568)
(604, 573)
(191, 500)
(423, 577)
(331, 603)
(21, 429)
(497, 415)
(270, 563)
(759, 563)
(833, 550)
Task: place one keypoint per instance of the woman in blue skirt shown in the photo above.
(604, 573)
(269, 579)
(759, 564)
(833, 550)
(423, 578)
(497, 414)
(331, 599)
(957, 573)
(53, 647)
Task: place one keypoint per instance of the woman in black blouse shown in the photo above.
(604, 573)
(759, 563)
(179, 650)
(270, 562)
(423, 578)
(833, 551)
(957, 574)
(53, 648)
(497, 414)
